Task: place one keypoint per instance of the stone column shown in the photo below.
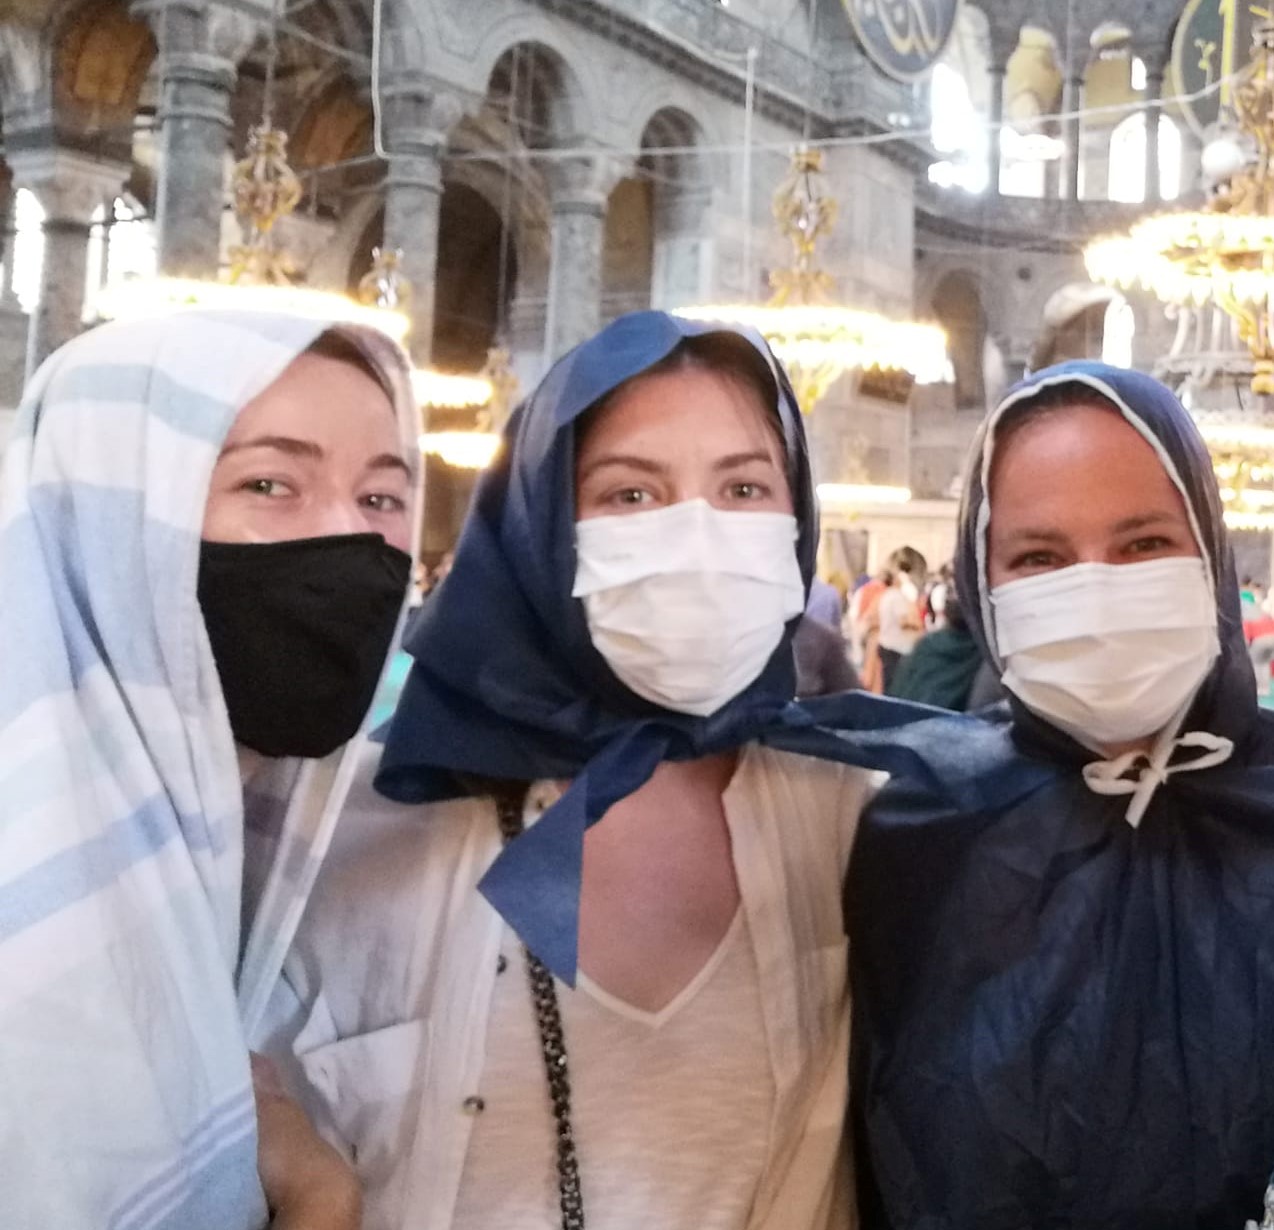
(580, 186)
(199, 45)
(417, 119)
(1154, 92)
(1071, 101)
(996, 72)
(8, 299)
(70, 186)
(681, 272)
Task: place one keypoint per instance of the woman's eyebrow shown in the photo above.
(282, 444)
(732, 460)
(1143, 520)
(644, 464)
(389, 461)
(1030, 535)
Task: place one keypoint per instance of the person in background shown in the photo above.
(942, 667)
(901, 622)
(206, 525)
(822, 659)
(825, 603)
(935, 603)
(864, 621)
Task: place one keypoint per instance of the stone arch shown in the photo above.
(558, 100)
(333, 127)
(680, 187)
(541, 94)
(101, 56)
(1073, 324)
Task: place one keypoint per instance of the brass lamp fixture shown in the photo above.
(1222, 254)
(817, 340)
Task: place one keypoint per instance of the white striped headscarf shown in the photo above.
(133, 964)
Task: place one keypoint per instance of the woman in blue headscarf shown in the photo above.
(612, 644)
(1063, 1002)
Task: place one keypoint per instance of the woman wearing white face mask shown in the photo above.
(609, 664)
(1063, 1001)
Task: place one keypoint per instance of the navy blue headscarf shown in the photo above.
(507, 683)
(1062, 1019)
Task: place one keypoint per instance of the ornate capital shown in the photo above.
(583, 181)
(219, 36)
(418, 115)
(69, 185)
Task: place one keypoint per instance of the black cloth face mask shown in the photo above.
(300, 631)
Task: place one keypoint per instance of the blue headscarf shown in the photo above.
(1062, 1019)
(507, 683)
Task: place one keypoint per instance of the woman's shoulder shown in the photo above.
(824, 796)
(381, 847)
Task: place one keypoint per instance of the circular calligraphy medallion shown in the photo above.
(903, 37)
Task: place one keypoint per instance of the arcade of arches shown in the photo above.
(548, 167)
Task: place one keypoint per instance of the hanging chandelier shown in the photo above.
(492, 393)
(261, 275)
(1222, 254)
(816, 340)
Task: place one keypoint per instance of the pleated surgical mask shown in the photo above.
(1108, 653)
(688, 603)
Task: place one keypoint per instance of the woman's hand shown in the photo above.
(307, 1184)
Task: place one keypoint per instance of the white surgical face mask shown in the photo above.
(687, 603)
(1109, 653)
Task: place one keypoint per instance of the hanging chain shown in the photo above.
(548, 1015)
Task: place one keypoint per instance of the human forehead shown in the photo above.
(1079, 462)
(690, 407)
(317, 394)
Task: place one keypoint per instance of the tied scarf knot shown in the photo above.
(1110, 777)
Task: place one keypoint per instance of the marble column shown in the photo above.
(1071, 101)
(416, 122)
(8, 298)
(580, 187)
(996, 73)
(1154, 92)
(198, 45)
(70, 186)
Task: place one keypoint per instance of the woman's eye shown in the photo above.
(1147, 546)
(1035, 559)
(630, 496)
(264, 486)
(382, 501)
(749, 491)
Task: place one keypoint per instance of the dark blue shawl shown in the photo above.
(507, 684)
(1060, 1020)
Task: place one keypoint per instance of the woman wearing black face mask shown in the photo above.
(203, 550)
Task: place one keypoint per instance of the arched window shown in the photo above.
(1127, 174)
(958, 131)
(117, 253)
(28, 248)
(1119, 326)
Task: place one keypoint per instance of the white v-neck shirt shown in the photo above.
(631, 1097)
(406, 1005)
